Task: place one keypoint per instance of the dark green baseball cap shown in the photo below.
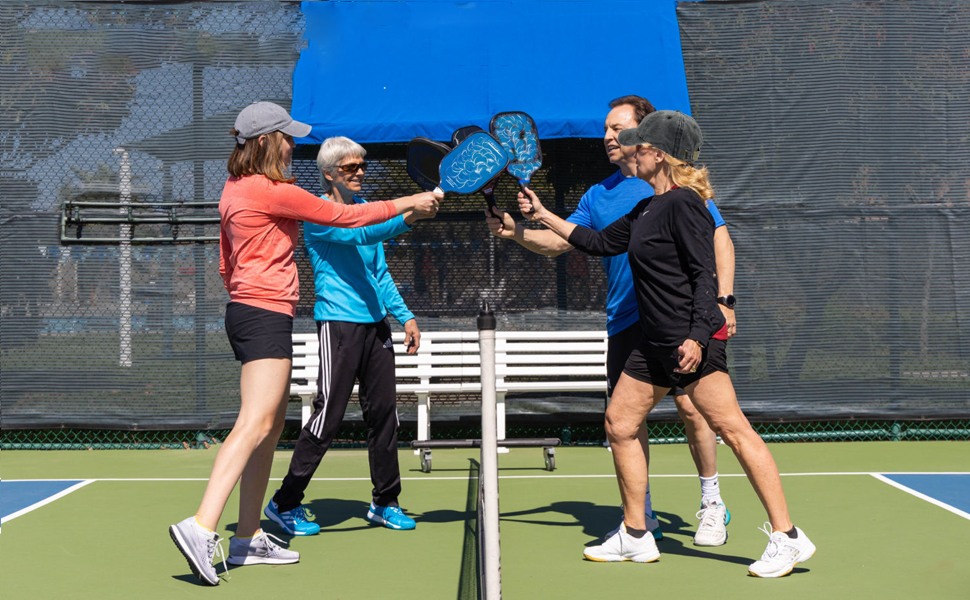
(669, 130)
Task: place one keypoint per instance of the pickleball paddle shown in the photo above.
(517, 133)
(472, 164)
(423, 159)
(457, 138)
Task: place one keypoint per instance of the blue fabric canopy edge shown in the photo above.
(379, 71)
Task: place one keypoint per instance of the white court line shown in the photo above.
(47, 500)
(465, 477)
(929, 499)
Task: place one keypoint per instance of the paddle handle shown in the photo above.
(489, 193)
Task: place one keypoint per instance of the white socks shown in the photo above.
(710, 491)
(647, 505)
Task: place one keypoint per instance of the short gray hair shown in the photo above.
(332, 151)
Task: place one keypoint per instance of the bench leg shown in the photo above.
(424, 422)
(306, 410)
(500, 419)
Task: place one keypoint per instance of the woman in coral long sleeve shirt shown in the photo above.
(260, 209)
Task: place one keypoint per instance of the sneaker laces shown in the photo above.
(776, 543)
(212, 544)
(303, 515)
(271, 547)
(708, 517)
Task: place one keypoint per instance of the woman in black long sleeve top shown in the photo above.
(669, 241)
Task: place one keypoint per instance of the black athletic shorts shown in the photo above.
(256, 333)
(656, 365)
(619, 347)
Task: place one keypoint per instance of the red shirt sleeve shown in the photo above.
(293, 202)
(225, 267)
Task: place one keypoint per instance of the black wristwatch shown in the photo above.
(728, 301)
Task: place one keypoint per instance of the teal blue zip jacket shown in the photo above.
(350, 276)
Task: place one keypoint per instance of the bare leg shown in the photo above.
(700, 437)
(255, 477)
(714, 397)
(262, 386)
(632, 401)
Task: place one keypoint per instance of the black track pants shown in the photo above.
(350, 352)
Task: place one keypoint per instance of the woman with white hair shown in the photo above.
(354, 294)
(669, 241)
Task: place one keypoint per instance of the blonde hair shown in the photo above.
(253, 158)
(688, 176)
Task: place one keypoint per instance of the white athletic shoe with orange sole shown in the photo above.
(622, 547)
(782, 553)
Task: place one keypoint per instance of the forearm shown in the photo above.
(557, 225)
(724, 259)
(541, 241)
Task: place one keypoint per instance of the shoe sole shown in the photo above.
(272, 517)
(180, 543)
(798, 562)
(594, 559)
(712, 545)
(255, 560)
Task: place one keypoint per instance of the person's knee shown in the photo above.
(689, 413)
(735, 432)
(620, 429)
(259, 427)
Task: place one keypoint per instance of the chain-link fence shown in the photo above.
(843, 183)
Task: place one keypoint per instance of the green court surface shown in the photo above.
(109, 539)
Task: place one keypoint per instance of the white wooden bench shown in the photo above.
(448, 362)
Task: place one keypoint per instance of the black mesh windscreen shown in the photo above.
(104, 102)
(838, 138)
(837, 135)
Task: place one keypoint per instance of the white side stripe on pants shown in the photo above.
(316, 427)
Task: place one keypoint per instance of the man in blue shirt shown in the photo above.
(354, 294)
(602, 204)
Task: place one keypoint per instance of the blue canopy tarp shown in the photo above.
(381, 71)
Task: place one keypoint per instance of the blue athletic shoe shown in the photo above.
(293, 522)
(391, 517)
(653, 526)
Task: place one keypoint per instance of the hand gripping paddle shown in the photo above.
(457, 138)
(517, 133)
(424, 158)
(472, 164)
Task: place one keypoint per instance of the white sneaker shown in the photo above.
(652, 525)
(713, 528)
(623, 547)
(260, 550)
(782, 553)
(198, 545)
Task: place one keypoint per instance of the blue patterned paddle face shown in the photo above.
(517, 133)
(472, 164)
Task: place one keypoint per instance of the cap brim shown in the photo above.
(297, 129)
(629, 137)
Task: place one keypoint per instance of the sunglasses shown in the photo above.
(352, 167)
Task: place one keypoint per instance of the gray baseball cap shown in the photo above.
(669, 130)
(260, 118)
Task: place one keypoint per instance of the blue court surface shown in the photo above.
(949, 488)
(18, 495)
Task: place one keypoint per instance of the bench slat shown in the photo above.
(541, 348)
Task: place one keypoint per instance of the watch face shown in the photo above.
(728, 301)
